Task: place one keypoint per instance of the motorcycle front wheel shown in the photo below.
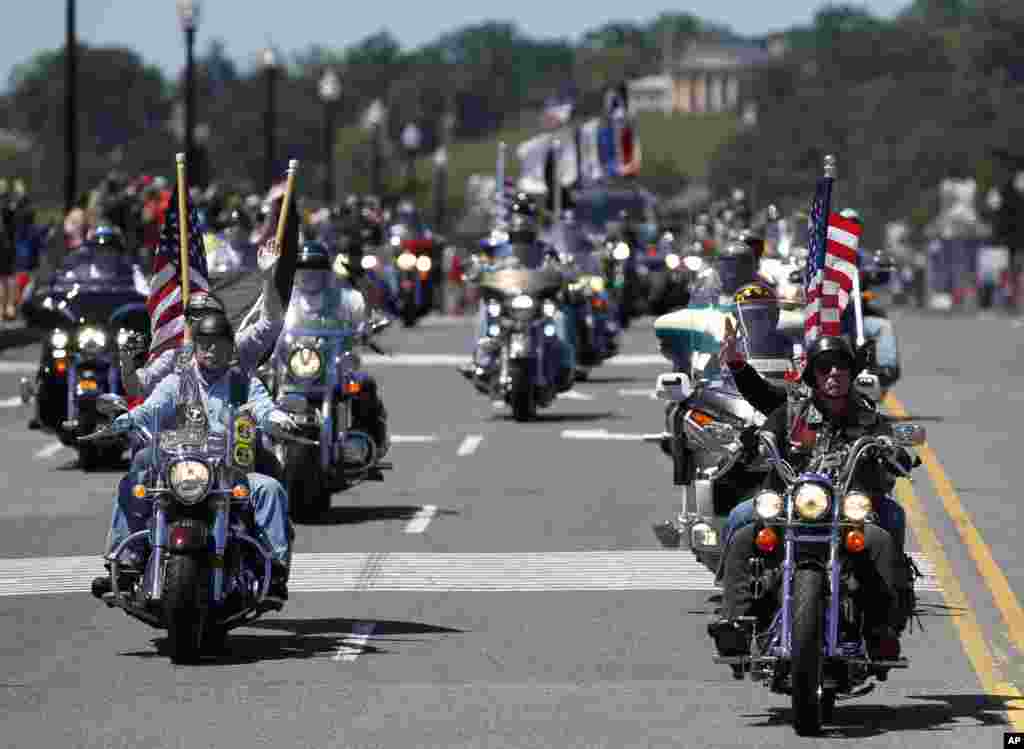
(806, 667)
(524, 406)
(308, 498)
(182, 612)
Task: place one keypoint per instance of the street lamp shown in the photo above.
(188, 15)
(270, 69)
(374, 119)
(411, 139)
(70, 113)
(330, 92)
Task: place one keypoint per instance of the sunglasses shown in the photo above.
(826, 365)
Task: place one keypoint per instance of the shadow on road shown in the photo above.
(297, 639)
(616, 380)
(940, 712)
(936, 419)
(368, 514)
(561, 418)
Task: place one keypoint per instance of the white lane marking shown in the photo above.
(469, 445)
(638, 393)
(427, 572)
(600, 434)
(412, 439)
(18, 367)
(576, 395)
(13, 402)
(419, 522)
(49, 451)
(452, 360)
(354, 645)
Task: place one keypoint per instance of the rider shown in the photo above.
(524, 249)
(833, 411)
(313, 295)
(219, 384)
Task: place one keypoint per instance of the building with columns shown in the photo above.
(709, 76)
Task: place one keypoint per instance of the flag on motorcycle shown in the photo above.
(164, 304)
(831, 265)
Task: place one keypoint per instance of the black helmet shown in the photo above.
(201, 302)
(213, 323)
(736, 265)
(835, 345)
(314, 255)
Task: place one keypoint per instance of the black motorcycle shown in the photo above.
(92, 305)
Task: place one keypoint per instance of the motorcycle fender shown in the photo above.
(187, 536)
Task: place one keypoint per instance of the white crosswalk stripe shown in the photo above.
(425, 572)
(452, 360)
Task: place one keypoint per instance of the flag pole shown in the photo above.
(183, 239)
(293, 166)
(499, 186)
(556, 184)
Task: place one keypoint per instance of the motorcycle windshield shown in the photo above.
(321, 304)
(514, 281)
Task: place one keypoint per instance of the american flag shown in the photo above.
(831, 265)
(166, 313)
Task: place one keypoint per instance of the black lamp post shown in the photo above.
(269, 117)
(188, 14)
(70, 111)
(330, 92)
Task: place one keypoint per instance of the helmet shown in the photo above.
(109, 237)
(835, 345)
(736, 265)
(758, 307)
(314, 255)
(213, 323)
(200, 303)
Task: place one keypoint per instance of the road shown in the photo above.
(503, 587)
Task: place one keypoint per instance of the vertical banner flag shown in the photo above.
(815, 272)
(166, 312)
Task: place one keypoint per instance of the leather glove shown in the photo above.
(748, 438)
(280, 424)
(121, 425)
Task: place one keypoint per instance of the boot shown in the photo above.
(278, 582)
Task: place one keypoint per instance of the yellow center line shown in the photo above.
(980, 552)
(964, 619)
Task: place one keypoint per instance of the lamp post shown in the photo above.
(188, 14)
(70, 113)
(374, 118)
(269, 116)
(330, 92)
(411, 139)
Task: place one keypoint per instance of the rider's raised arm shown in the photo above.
(763, 395)
(154, 373)
(256, 341)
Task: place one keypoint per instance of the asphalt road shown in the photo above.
(503, 587)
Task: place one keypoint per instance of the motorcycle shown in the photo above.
(205, 570)
(520, 308)
(93, 303)
(670, 275)
(706, 413)
(315, 377)
(619, 269)
(597, 327)
(414, 245)
(811, 646)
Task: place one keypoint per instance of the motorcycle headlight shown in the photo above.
(549, 308)
(493, 309)
(856, 506)
(189, 480)
(672, 261)
(522, 302)
(305, 362)
(621, 251)
(59, 339)
(811, 501)
(693, 262)
(423, 264)
(406, 261)
(597, 284)
(122, 337)
(369, 262)
(91, 339)
(768, 505)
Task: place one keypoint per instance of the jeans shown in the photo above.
(269, 501)
(891, 516)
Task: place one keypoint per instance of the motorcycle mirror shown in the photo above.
(381, 324)
(796, 277)
(111, 405)
(908, 435)
(869, 385)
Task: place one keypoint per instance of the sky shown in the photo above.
(247, 26)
